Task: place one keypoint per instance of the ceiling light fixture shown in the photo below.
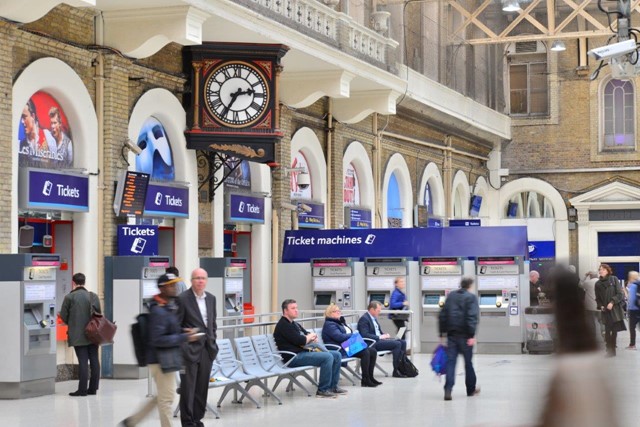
(510, 5)
(558, 46)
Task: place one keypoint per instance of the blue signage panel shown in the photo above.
(166, 201)
(360, 219)
(435, 222)
(246, 209)
(137, 240)
(313, 219)
(544, 250)
(58, 191)
(303, 245)
(464, 223)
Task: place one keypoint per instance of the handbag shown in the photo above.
(354, 344)
(439, 360)
(99, 330)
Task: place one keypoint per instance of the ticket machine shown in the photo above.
(332, 281)
(28, 333)
(380, 275)
(130, 281)
(438, 277)
(226, 282)
(502, 286)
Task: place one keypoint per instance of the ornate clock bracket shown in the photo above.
(212, 162)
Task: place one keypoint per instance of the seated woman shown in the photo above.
(335, 331)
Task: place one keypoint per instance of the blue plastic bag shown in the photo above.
(355, 344)
(439, 360)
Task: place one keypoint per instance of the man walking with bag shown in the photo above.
(76, 311)
(458, 320)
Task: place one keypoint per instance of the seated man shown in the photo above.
(292, 337)
(370, 328)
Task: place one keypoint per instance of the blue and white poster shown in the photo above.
(156, 157)
(137, 240)
(50, 190)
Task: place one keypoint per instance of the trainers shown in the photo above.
(339, 390)
(325, 394)
(631, 347)
(447, 395)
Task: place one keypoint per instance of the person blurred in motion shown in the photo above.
(399, 302)
(593, 313)
(336, 331)
(633, 309)
(458, 321)
(535, 287)
(609, 297)
(579, 393)
(180, 286)
(163, 351)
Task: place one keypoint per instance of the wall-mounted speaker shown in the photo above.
(25, 237)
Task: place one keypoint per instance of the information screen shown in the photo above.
(323, 299)
(488, 299)
(431, 299)
(378, 297)
(131, 193)
(39, 291)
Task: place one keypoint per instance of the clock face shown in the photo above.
(237, 94)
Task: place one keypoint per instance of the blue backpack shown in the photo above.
(439, 360)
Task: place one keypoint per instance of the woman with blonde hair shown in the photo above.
(336, 331)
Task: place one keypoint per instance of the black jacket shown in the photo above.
(165, 335)
(459, 316)
(289, 336)
(608, 289)
(190, 317)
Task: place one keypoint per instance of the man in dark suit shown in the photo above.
(197, 311)
(370, 328)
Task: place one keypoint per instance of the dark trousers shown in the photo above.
(634, 319)
(397, 347)
(610, 337)
(88, 354)
(368, 358)
(194, 388)
(400, 324)
(455, 346)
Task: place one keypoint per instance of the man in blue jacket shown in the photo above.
(458, 321)
(163, 351)
(633, 309)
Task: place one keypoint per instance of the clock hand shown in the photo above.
(234, 95)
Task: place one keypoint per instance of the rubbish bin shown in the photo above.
(541, 330)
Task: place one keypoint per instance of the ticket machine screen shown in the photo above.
(431, 299)
(488, 299)
(378, 297)
(323, 299)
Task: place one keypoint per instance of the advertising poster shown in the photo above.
(394, 208)
(240, 177)
(44, 136)
(156, 158)
(351, 188)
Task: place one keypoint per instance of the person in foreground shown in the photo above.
(580, 392)
(197, 310)
(458, 321)
(76, 312)
(163, 351)
(292, 337)
(336, 331)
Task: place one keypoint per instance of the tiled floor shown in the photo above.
(513, 388)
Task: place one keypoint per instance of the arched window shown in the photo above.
(618, 115)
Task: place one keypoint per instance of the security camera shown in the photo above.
(304, 208)
(133, 146)
(613, 50)
(303, 180)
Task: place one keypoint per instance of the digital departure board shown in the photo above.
(131, 193)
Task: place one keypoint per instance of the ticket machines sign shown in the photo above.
(50, 190)
(245, 209)
(137, 240)
(167, 201)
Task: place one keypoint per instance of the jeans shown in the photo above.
(328, 362)
(634, 319)
(88, 354)
(455, 346)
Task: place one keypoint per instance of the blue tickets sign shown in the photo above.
(44, 189)
(435, 222)
(359, 219)
(313, 219)
(464, 223)
(137, 240)
(412, 243)
(248, 209)
(543, 250)
(166, 201)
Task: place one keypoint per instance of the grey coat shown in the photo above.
(76, 313)
(608, 289)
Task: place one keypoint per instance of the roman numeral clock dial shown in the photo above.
(237, 94)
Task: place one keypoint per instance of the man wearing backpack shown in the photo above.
(163, 351)
(458, 321)
(633, 308)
